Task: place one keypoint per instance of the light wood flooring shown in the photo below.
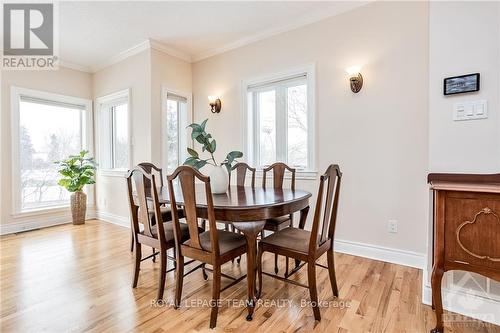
(78, 279)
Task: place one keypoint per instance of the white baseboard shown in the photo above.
(466, 304)
(122, 221)
(394, 256)
(42, 220)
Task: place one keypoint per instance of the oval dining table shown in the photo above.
(247, 208)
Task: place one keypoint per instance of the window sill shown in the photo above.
(40, 211)
(112, 173)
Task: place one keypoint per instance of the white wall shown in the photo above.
(378, 137)
(464, 38)
(63, 81)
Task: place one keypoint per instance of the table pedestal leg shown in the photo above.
(251, 230)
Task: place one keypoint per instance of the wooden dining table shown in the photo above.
(247, 208)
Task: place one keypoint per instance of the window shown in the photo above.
(46, 129)
(280, 121)
(174, 121)
(113, 127)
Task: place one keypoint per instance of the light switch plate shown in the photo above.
(470, 110)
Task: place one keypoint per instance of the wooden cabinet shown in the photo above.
(466, 229)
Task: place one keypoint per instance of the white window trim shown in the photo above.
(165, 89)
(87, 144)
(99, 103)
(247, 119)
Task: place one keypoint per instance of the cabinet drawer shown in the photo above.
(472, 229)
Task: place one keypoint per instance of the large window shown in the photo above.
(113, 127)
(174, 122)
(280, 121)
(47, 128)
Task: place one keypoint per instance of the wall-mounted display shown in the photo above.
(461, 84)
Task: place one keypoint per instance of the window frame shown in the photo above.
(185, 140)
(87, 134)
(250, 138)
(103, 103)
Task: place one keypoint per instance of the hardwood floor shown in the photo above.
(78, 279)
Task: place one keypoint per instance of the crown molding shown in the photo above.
(170, 51)
(123, 55)
(77, 67)
(313, 18)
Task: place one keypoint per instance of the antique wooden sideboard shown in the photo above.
(466, 229)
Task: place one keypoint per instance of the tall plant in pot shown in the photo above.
(77, 171)
(219, 175)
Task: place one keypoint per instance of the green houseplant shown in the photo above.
(77, 171)
(219, 173)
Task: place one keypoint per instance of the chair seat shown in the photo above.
(168, 228)
(228, 241)
(166, 214)
(289, 238)
(276, 223)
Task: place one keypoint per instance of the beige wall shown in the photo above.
(63, 81)
(144, 74)
(379, 136)
(171, 73)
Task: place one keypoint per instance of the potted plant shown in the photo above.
(219, 176)
(77, 171)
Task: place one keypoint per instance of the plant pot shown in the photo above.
(78, 207)
(219, 180)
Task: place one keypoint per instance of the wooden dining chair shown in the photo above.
(213, 247)
(155, 235)
(241, 170)
(149, 168)
(309, 246)
(276, 224)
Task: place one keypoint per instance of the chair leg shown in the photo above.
(204, 272)
(287, 260)
(132, 240)
(137, 268)
(163, 274)
(259, 271)
(311, 279)
(331, 271)
(174, 252)
(276, 270)
(179, 272)
(215, 295)
(154, 256)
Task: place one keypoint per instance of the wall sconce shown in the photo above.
(215, 104)
(355, 78)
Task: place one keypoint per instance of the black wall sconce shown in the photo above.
(215, 104)
(355, 78)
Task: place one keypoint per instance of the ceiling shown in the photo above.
(93, 33)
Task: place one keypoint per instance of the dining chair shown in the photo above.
(309, 246)
(155, 235)
(276, 224)
(148, 168)
(241, 170)
(213, 247)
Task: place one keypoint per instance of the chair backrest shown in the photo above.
(241, 173)
(325, 214)
(278, 170)
(187, 177)
(142, 212)
(150, 168)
